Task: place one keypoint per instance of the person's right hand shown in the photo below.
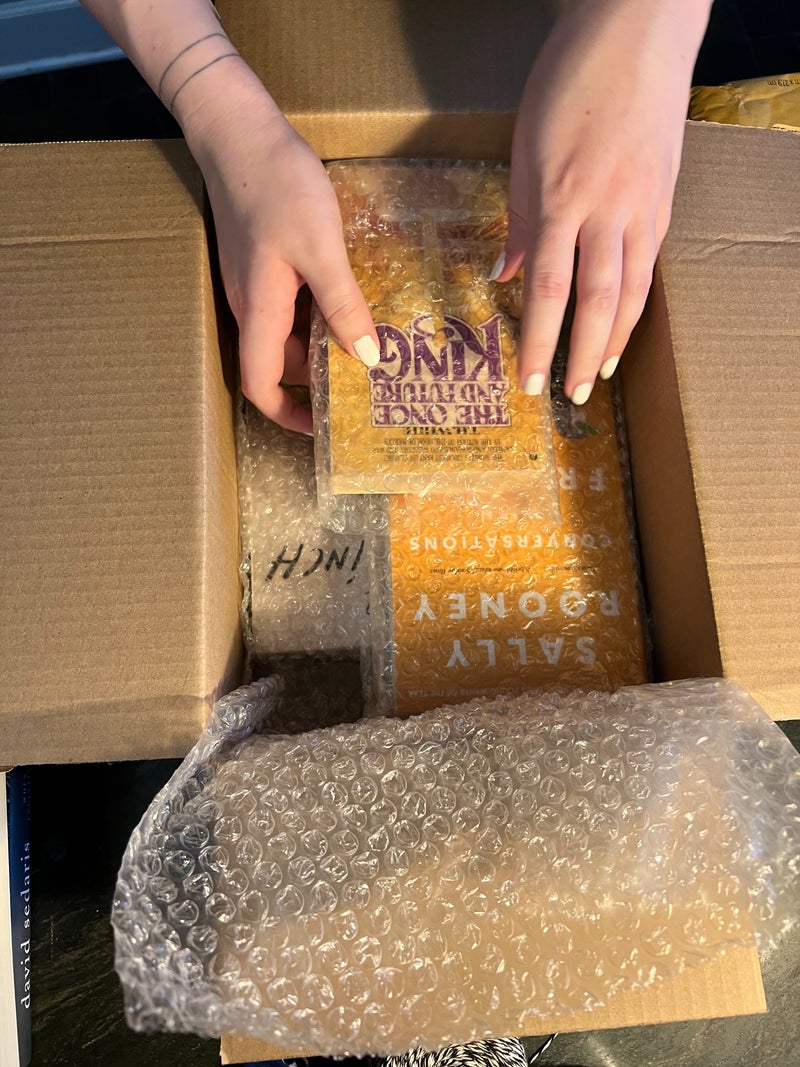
(278, 226)
(597, 145)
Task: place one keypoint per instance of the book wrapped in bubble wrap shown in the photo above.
(381, 885)
(304, 585)
(442, 411)
(473, 601)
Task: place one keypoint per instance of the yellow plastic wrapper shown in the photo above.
(772, 103)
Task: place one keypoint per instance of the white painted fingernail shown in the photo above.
(534, 384)
(581, 393)
(497, 269)
(367, 351)
(609, 367)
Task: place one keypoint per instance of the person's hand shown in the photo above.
(597, 146)
(278, 226)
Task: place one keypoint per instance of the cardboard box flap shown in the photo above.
(118, 536)
(99, 191)
(382, 77)
(730, 275)
(730, 985)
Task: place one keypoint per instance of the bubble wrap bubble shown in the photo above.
(443, 409)
(305, 587)
(468, 600)
(388, 884)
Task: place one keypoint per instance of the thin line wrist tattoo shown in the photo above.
(199, 71)
(183, 52)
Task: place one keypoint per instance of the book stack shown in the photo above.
(498, 530)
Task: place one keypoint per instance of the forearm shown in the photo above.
(687, 19)
(184, 54)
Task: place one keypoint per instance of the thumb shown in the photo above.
(340, 300)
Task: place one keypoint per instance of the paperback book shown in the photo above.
(442, 409)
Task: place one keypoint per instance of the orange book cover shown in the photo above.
(480, 603)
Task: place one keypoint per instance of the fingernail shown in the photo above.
(581, 393)
(609, 367)
(534, 384)
(497, 269)
(367, 351)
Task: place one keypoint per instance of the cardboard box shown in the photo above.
(118, 530)
(119, 617)
(710, 384)
(693, 995)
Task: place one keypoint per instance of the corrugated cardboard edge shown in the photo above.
(737, 322)
(670, 538)
(728, 986)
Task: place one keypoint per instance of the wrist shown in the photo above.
(219, 97)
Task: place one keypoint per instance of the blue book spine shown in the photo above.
(18, 808)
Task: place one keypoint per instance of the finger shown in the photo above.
(548, 278)
(264, 326)
(596, 302)
(342, 303)
(295, 361)
(638, 258)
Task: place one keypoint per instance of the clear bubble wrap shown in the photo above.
(443, 410)
(304, 585)
(372, 887)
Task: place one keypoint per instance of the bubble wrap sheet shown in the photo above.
(443, 409)
(381, 885)
(305, 586)
(469, 601)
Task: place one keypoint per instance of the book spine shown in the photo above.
(18, 807)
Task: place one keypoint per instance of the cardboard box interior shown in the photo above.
(394, 77)
(709, 378)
